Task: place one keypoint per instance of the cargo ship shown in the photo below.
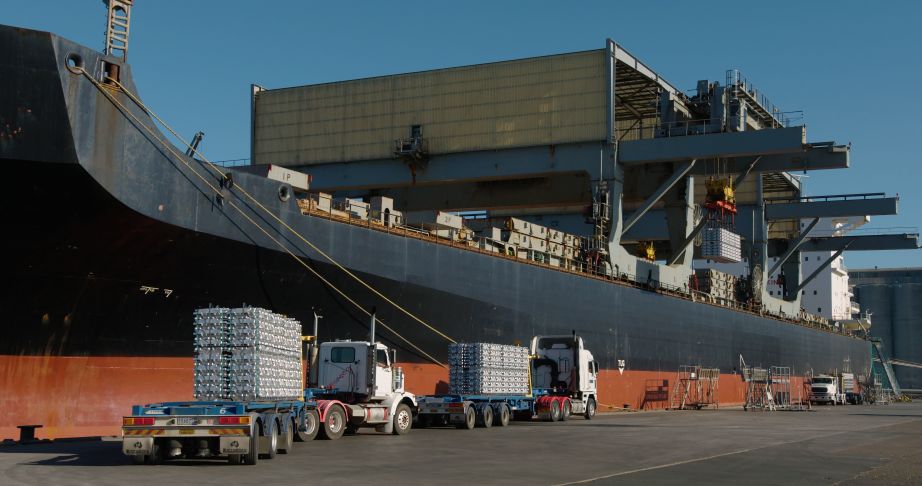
(115, 235)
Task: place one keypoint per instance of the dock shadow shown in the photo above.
(72, 453)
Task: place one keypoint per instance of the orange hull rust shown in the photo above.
(84, 396)
(88, 396)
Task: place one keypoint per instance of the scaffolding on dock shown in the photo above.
(695, 388)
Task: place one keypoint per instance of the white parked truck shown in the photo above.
(563, 382)
(359, 386)
(562, 365)
(834, 388)
(360, 382)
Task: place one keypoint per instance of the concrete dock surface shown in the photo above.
(849, 445)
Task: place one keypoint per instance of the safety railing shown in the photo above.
(832, 197)
(736, 82)
(896, 230)
(232, 162)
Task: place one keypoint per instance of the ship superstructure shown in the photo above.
(594, 144)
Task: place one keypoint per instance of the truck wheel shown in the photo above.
(486, 417)
(554, 414)
(273, 443)
(501, 417)
(566, 411)
(403, 419)
(470, 419)
(311, 427)
(156, 455)
(335, 423)
(234, 459)
(590, 409)
(288, 440)
(252, 457)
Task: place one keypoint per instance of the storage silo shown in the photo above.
(894, 297)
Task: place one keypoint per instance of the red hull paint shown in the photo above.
(86, 396)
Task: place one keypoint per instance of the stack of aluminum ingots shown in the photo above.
(485, 368)
(210, 365)
(721, 245)
(715, 283)
(246, 353)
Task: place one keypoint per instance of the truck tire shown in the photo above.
(311, 427)
(156, 455)
(335, 424)
(287, 439)
(554, 412)
(273, 443)
(470, 419)
(403, 419)
(486, 417)
(566, 410)
(502, 416)
(251, 458)
(590, 409)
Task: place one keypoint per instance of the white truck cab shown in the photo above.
(825, 389)
(562, 364)
(347, 367)
(362, 376)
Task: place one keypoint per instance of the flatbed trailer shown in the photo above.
(239, 430)
(469, 411)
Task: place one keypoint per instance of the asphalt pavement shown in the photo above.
(865, 444)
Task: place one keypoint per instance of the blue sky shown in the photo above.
(853, 69)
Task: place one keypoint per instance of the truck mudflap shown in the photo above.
(234, 445)
(137, 446)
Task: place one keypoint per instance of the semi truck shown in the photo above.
(834, 388)
(360, 381)
(563, 382)
(357, 385)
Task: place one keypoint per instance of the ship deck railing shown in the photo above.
(586, 270)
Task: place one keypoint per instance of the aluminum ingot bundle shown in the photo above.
(245, 354)
(486, 368)
(721, 245)
(209, 363)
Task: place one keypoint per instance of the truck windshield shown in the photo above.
(342, 354)
(826, 381)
